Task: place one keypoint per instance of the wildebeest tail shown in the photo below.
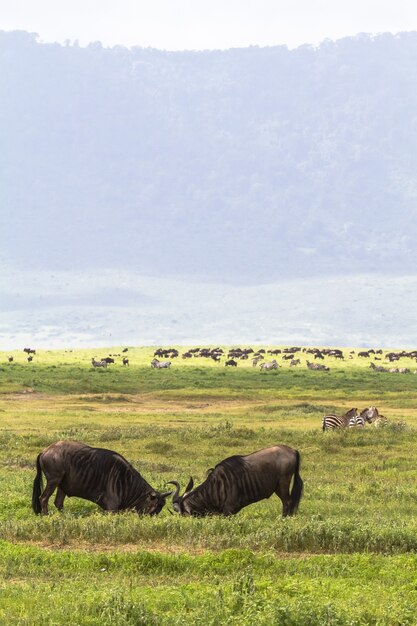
(37, 487)
(297, 488)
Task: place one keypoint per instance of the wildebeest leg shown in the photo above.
(283, 493)
(59, 499)
(49, 490)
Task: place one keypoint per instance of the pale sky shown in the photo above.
(205, 24)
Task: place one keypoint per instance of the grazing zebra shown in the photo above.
(367, 415)
(378, 368)
(269, 365)
(256, 360)
(95, 363)
(160, 364)
(338, 421)
(295, 362)
(379, 421)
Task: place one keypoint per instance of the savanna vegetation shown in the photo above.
(348, 557)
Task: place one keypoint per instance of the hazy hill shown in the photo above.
(248, 164)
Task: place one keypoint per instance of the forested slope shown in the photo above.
(247, 164)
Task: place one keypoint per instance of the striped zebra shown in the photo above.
(367, 415)
(379, 421)
(95, 363)
(338, 421)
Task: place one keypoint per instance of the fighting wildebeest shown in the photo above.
(241, 480)
(95, 474)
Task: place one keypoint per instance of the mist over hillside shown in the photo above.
(244, 165)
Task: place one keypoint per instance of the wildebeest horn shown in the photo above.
(165, 494)
(176, 495)
(189, 486)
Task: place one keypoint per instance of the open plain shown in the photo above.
(349, 556)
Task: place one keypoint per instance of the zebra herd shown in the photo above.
(353, 419)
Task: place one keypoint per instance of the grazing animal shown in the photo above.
(364, 354)
(241, 480)
(29, 350)
(160, 364)
(379, 421)
(269, 365)
(125, 361)
(378, 368)
(108, 360)
(95, 363)
(295, 362)
(30, 358)
(231, 363)
(125, 349)
(317, 366)
(256, 360)
(95, 474)
(332, 421)
(367, 415)
(10, 359)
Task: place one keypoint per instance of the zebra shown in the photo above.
(160, 364)
(338, 421)
(269, 365)
(95, 363)
(378, 368)
(379, 421)
(367, 415)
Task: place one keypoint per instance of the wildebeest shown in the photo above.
(108, 360)
(10, 359)
(29, 350)
(241, 480)
(95, 474)
(30, 358)
(231, 363)
(125, 361)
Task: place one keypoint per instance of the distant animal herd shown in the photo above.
(296, 356)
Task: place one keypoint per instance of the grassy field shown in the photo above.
(348, 557)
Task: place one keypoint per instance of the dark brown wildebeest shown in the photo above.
(10, 359)
(95, 474)
(30, 358)
(29, 350)
(231, 362)
(125, 361)
(107, 359)
(241, 480)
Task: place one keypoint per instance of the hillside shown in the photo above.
(244, 165)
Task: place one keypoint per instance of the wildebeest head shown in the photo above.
(153, 503)
(177, 500)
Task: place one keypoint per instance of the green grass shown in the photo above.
(348, 557)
